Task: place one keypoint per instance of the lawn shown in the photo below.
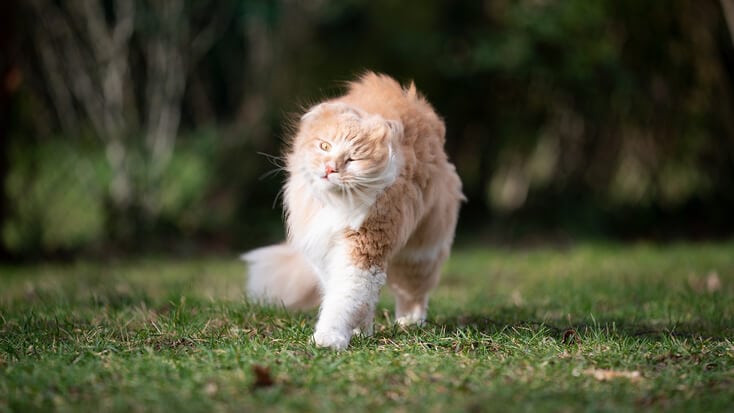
(593, 327)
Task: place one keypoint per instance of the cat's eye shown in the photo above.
(325, 146)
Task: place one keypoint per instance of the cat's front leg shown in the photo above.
(350, 295)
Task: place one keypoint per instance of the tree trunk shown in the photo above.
(10, 78)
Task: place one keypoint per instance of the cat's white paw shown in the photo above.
(331, 339)
(410, 319)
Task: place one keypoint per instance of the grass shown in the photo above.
(592, 328)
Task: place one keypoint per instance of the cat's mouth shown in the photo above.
(331, 181)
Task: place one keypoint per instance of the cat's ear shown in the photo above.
(388, 130)
(337, 108)
(312, 113)
(394, 129)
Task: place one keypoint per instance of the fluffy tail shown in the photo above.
(279, 274)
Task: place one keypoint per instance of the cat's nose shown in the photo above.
(329, 170)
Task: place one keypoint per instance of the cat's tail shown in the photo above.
(279, 274)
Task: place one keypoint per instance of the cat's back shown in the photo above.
(379, 93)
(383, 95)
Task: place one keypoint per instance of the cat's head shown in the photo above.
(344, 150)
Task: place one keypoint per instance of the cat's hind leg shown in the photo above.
(411, 279)
(366, 326)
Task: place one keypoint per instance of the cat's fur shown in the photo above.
(370, 198)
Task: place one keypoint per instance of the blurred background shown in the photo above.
(138, 126)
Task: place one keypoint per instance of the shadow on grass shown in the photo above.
(511, 318)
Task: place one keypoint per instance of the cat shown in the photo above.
(370, 198)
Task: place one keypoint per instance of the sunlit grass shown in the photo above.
(593, 327)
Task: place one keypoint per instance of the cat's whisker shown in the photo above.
(278, 196)
(344, 188)
(350, 197)
(368, 180)
(378, 184)
(365, 198)
(278, 161)
(368, 186)
(364, 195)
(353, 191)
(271, 172)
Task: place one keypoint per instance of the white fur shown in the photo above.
(349, 294)
(317, 237)
(411, 313)
(348, 306)
(280, 275)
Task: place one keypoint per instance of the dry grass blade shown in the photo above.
(606, 375)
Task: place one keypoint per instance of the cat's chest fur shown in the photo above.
(317, 227)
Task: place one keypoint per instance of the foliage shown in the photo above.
(593, 327)
(615, 111)
(58, 194)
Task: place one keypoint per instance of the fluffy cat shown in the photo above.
(370, 198)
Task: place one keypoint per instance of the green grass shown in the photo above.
(591, 328)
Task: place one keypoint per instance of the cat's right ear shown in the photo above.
(335, 107)
(312, 113)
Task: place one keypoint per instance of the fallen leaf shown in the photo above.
(606, 375)
(570, 336)
(262, 376)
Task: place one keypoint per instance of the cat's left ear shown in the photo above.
(391, 130)
(394, 129)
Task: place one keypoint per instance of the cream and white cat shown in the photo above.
(370, 198)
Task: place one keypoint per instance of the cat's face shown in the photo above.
(345, 151)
